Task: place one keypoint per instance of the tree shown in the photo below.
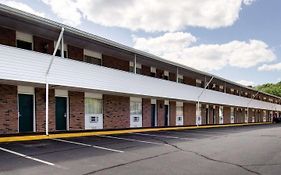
(271, 88)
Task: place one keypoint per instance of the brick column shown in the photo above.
(8, 109)
(116, 112)
(172, 114)
(226, 114)
(189, 113)
(76, 110)
(146, 112)
(160, 112)
(40, 109)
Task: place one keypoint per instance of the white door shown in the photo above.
(221, 115)
(135, 112)
(93, 113)
(198, 115)
(179, 114)
(232, 115)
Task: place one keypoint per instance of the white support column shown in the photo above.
(135, 64)
(198, 102)
(62, 47)
(249, 104)
(47, 83)
(177, 76)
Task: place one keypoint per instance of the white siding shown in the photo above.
(28, 66)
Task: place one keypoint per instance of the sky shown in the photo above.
(239, 40)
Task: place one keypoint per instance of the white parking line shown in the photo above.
(27, 157)
(133, 140)
(163, 136)
(88, 145)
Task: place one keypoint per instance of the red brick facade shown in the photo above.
(7, 36)
(116, 112)
(76, 110)
(40, 109)
(146, 112)
(160, 113)
(43, 45)
(75, 53)
(226, 115)
(172, 76)
(115, 63)
(8, 109)
(189, 113)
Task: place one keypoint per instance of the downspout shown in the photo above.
(198, 98)
(46, 78)
(249, 104)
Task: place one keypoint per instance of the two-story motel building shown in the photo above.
(95, 83)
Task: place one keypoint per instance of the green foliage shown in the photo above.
(271, 88)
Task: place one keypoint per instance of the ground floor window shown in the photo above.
(93, 106)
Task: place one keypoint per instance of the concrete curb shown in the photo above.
(125, 131)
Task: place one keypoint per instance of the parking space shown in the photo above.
(104, 154)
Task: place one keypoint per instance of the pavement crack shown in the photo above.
(127, 163)
(211, 159)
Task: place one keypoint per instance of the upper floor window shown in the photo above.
(92, 57)
(132, 67)
(153, 71)
(180, 79)
(58, 52)
(166, 75)
(24, 40)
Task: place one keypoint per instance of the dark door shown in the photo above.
(214, 117)
(61, 114)
(207, 116)
(153, 108)
(25, 113)
(166, 115)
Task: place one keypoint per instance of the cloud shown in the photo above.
(248, 2)
(67, 10)
(178, 47)
(150, 15)
(270, 67)
(246, 83)
(21, 6)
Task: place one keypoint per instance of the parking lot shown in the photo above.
(231, 150)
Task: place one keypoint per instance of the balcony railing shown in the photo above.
(29, 66)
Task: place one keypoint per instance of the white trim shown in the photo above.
(92, 54)
(198, 81)
(138, 65)
(180, 76)
(93, 95)
(61, 93)
(179, 103)
(24, 37)
(26, 90)
(136, 99)
(64, 47)
(153, 69)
